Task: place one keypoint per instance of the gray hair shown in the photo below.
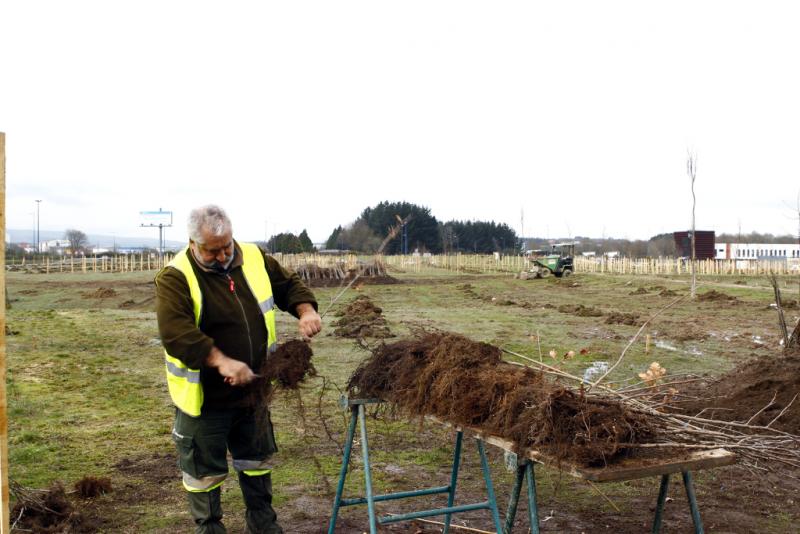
(210, 218)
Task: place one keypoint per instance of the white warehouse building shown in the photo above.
(757, 251)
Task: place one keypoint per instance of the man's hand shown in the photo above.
(310, 322)
(236, 373)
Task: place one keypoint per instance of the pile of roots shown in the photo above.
(361, 319)
(466, 383)
(368, 273)
(51, 511)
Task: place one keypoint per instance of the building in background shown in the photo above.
(703, 244)
(757, 251)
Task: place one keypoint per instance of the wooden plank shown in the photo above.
(621, 470)
(4, 511)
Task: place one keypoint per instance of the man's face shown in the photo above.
(215, 252)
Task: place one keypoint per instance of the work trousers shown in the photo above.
(203, 443)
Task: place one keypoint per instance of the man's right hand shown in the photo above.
(236, 373)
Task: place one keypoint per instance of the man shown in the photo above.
(214, 304)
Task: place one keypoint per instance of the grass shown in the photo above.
(86, 389)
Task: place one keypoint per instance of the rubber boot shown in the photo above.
(257, 493)
(206, 510)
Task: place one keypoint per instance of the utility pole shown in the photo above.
(4, 510)
(38, 234)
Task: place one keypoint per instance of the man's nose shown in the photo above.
(221, 256)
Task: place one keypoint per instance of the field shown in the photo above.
(87, 397)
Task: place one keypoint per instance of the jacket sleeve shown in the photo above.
(287, 288)
(180, 336)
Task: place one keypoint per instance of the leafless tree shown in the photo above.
(77, 240)
(691, 170)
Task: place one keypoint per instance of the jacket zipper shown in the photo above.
(244, 316)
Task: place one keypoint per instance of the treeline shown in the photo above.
(289, 243)
(423, 233)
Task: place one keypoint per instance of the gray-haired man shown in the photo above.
(215, 306)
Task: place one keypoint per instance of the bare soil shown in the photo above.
(622, 318)
(580, 310)
(741, 393)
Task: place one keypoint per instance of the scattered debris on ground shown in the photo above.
(100, 293)
(89, 487)
(465, 382)
(716, 296)
(667, 293)
(580, 310)
(622, 318)
(48, 512)
(361, 319)
(639, 291)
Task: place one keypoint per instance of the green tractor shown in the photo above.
(557, 261)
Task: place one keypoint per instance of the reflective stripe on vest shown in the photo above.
(183, 382)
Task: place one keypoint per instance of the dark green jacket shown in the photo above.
(231, 320)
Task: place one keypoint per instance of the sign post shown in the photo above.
(157, 219)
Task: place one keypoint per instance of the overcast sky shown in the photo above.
(300, 114)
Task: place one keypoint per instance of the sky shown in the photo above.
(559, 119)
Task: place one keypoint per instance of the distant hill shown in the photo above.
(95, 240)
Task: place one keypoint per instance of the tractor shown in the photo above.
(556, 261)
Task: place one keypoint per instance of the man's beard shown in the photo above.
(215, 265)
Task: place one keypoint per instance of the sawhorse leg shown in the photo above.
(524, 471)
(348, 446)
(487, 477)
(451, 494)
(662, 498)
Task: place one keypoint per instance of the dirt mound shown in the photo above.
(465, 382)
(89, 487)
(49, 512)
(639, 291)
(667, 293)
(360, 319)
(100, 293)
(622, 318)
(740, 393)
(716, 296)
(580, 310)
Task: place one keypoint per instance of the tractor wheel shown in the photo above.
(544, 273)
(566, 273)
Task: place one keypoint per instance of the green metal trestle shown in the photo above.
(357, 409)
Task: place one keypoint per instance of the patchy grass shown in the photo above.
(86, 391)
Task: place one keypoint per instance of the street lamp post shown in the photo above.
(38, 235)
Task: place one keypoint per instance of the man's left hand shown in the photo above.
(310, 322)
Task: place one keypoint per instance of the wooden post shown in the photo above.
(4, 511)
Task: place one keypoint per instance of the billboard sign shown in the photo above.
(155, 218)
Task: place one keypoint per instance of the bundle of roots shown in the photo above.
(466, 383)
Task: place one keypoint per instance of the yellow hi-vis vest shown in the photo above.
(183, 382)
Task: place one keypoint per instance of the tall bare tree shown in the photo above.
(691, 170)
(77, 240)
